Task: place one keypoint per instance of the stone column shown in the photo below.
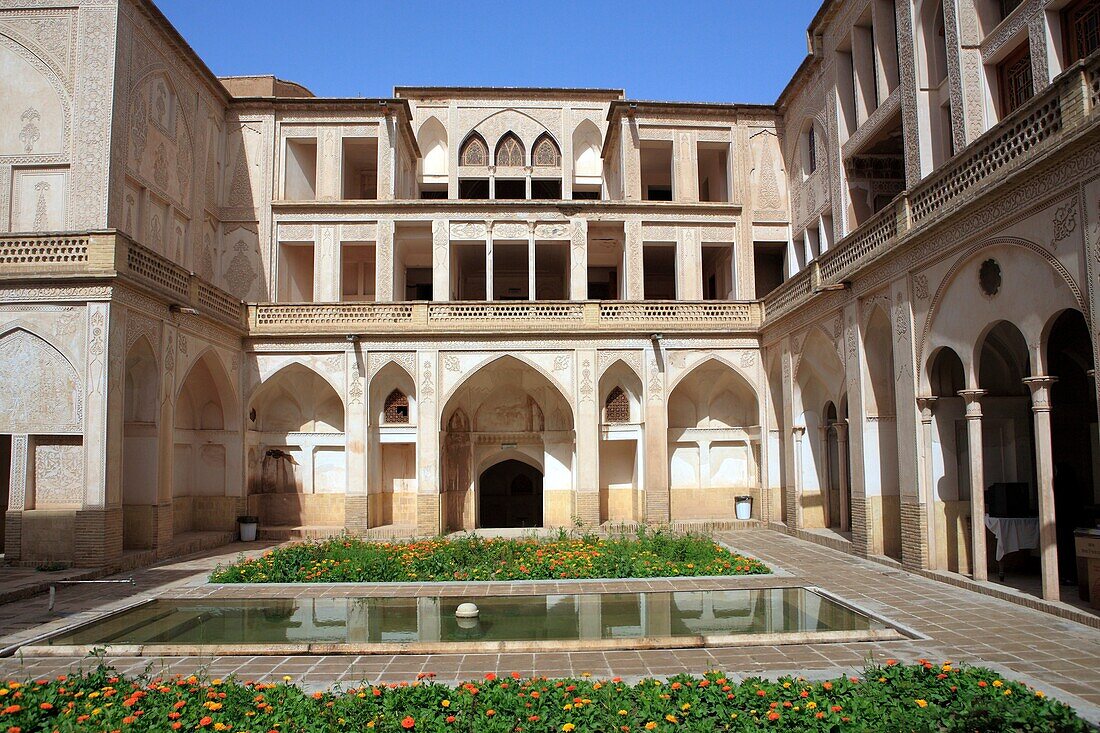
(488, 260)
(927, 477)
(166, 439)
(657, 509)
(17, 498)
(356, 500)
(441, 260)
(578, 260)
(972, 398)
(632, 255)
(689, 268)
(1044, 471)
(531, 295)
(326, 266)
(843, 462)
(587, 430)
(383, 267)
(860, 524)
(794, 518)
(428, 505)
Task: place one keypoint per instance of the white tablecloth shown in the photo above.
(1013, 533)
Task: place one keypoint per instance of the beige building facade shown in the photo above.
(463, 308)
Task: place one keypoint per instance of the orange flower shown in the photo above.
(205, 721)
(46, 706)
(408, 722)
(773, 715)
(490, 677)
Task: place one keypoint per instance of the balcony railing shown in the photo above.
(289, 319)
(1045, 123)
(107, 255)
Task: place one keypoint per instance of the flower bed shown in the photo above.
(921, 697)
(345, 559)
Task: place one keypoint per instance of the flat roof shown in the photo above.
(488, 91)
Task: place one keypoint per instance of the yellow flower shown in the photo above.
(922, 703)
(811, 705)
(686, 706)
(286, 678)
(1008, 692)
(1039, 693)
(215, 682)
(622, 712)
(446, 703)
(671, 718)
(997, 683)
(568, 727)
(650, 725)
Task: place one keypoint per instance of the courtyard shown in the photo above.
(943, 623)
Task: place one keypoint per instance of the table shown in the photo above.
(1012, 533)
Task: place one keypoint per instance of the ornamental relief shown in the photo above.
(40, 391)
(58, 472)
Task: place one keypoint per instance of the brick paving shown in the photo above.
(1060, 657)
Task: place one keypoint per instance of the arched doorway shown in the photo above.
(506, 409)
(950, 463)
(880, 434)
(1073, 432)
(510, 495)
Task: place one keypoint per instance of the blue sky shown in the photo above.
(700, 50)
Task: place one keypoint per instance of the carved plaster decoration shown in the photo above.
(586, 388)
(1065, 221)
(632, 358)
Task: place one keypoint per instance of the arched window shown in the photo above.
(616, 408)
(474, 151)
(509, 151)
(545, 153)
(396, 409)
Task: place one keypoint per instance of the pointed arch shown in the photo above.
(587, 154)
(620, 391)
(141, 401)
(474, 151)
(390, 379)
(296, 399)
(712, 395)
(509, 152)
(205, 399)
(432, 140)
(545, 153)
(40, 390)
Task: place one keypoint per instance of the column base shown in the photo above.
(98, 540)
(862, 534)
(587, 508)
(914, 535)
(427, 515)
(357, 514)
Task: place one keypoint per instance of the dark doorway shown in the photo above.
(510, 495)
(1073, 427)
(5, 484)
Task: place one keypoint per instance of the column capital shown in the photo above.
(973, 397)
(798, 431)
(841, 428)
(926, 405)
(1040, 391)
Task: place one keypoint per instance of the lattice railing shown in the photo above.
(156, 270)
(317, 316)
(710, 313)
(1013, 138)
(860, 246)
(793, 291)
(506, 311)
(1093, 77)
(44, 251)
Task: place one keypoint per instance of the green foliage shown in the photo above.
(654, 554)
(917, 698)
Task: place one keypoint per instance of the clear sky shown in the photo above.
(693, 50)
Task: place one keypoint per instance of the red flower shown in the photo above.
(205, 721)
(408, 722)
(490, 677)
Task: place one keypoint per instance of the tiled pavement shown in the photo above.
(1060, 657)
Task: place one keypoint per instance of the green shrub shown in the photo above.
(346, 559)
(918, 698)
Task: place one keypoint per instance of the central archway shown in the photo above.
(510, 495)
(505, 411)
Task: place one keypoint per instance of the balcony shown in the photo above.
(574, 317)
(1062, 113)
(50, 258)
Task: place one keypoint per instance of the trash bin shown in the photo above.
(743, 506)
(248, 528)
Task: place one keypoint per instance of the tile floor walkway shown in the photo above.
(1061, 657)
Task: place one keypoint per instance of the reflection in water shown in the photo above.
(502, 618)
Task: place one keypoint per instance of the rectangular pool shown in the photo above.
(413, 624)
